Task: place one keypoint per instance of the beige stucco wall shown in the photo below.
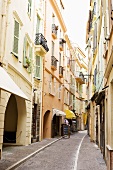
(24, 110)
(51, 101)
(14, 67)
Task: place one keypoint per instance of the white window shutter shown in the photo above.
(50, 84)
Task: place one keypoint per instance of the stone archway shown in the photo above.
(15, 121)
(46, 125)
(10, 123)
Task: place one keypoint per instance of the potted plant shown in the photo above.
(28, 62)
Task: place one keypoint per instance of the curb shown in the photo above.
(12, 167)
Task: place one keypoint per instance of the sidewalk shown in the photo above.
(14, 155)
(90, 156)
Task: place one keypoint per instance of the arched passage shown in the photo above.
(15, 121)
(10, 123)
(46, 125)
(55, 126)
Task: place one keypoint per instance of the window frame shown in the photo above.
(16, 37)
(29, 7)
(38, 67)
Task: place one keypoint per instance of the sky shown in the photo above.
(76, 17)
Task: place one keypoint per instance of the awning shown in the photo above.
(58, 112)
(7, 84)
(70, 114)
(101, 96)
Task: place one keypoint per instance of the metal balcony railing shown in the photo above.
(82, 76)
(54, 30)
(40, 40)
(61, 71)
(61, 43)
(54, 63)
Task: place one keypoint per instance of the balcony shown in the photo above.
(54, 31)
(54, 63)
(60, 71)
(61, 44)
(41, 47)
(80, 78)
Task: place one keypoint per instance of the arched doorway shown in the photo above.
(15, 122)
(55, 126)
(10, 122)
(46, 125)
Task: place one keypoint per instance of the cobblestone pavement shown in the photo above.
(61, 155)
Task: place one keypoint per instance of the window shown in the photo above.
(38, 25)
(38, 67)
(16, 38)
(52, 85)
(59, 91)
(27, 53)
(53, 47)
(53, 19)
(66, 97)
(29, 7)
(59, 59)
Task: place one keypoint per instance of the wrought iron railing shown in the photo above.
(82, 76)
(61, 70)
(54, 62)
(54, 29)
(40, 40)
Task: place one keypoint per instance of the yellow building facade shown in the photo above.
(100, 37)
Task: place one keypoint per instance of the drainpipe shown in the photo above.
(43, 68)
(3, 28)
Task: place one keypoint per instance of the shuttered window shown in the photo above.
(50, 84)
(54, 85)
(27, 54)
(16, 37)
(38, 67)
(29, 7)
(59, 92)
(53, 47)
(38, 25)
(24, 51)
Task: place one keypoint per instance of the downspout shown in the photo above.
(3, 28)
(43, 68)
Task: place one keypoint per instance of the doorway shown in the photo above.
(46, 126)
(10, 123)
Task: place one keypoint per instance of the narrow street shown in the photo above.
(75, 153)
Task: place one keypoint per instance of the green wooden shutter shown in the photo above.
(29, 7)
(30, 53)
(16, 37)
(38, 71)
(50, 84)
(38, 25)
(24, 51)
(30, 59)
